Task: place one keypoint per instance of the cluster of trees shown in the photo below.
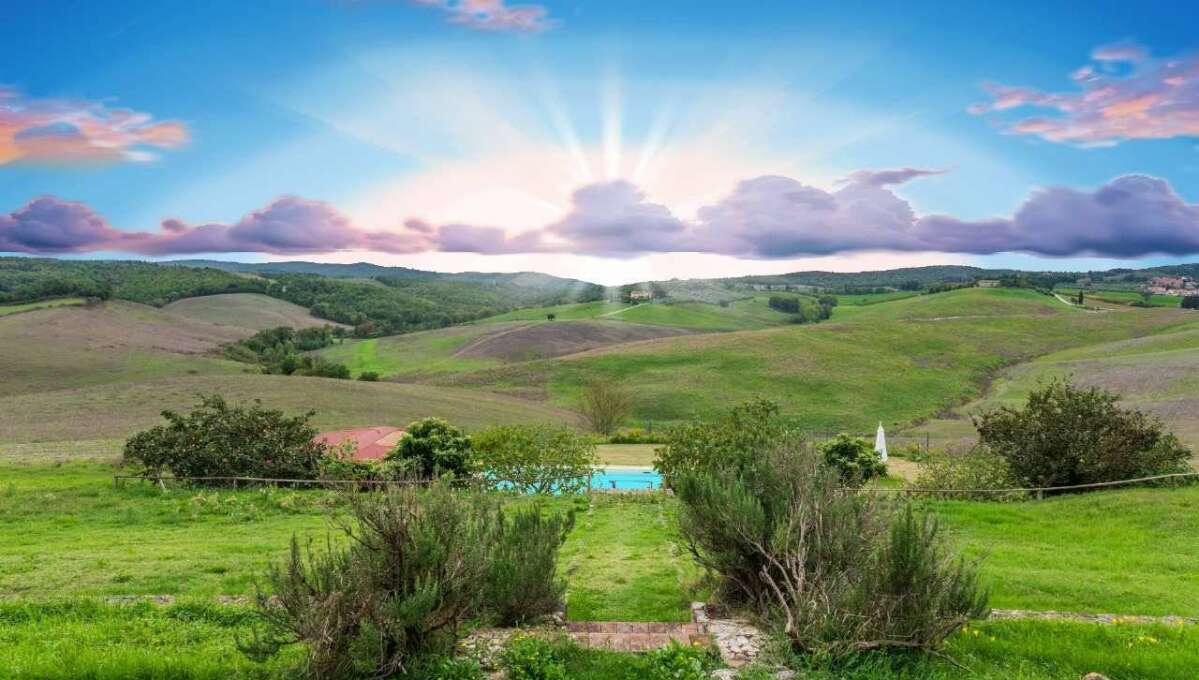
(218, 439)
(386, 305)
(804, 309)
(281, 351)
(1188, 302)
(25, 279)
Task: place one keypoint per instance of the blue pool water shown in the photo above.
(626, 478)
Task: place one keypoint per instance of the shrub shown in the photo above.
(535, 458)
(676, 661)
(742, 434)
(837, 572)
(1067, 435)
(853, 458)
(637, 435)
(418, 563)
(368, 376)
(432, 448)
(975, 470)
(219, 440)
(392, 600)
(530, 658)
(605, 405)
(523, 583)
(1190, 302)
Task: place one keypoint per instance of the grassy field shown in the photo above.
(68, 532)
(5, 310)
(73, 541)
(245, 310)
(1122, 297)
(897, 362)
(79, 376)
(745, 314)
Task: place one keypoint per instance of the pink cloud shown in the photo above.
(494, 15)
(79, 132)
(1124, 95)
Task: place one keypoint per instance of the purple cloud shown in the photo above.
(1125, 95)
(493, 15)
(288, 226)
(764, 217)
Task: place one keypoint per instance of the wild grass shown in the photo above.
(5, 310)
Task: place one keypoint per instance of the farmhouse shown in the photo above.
(364, 443)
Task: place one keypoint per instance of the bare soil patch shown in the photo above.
(559, 338)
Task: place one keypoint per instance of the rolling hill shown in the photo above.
(899, 361)
(249, 311)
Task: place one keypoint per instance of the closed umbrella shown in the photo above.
(880, 443)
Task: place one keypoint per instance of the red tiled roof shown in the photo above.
(371, 443)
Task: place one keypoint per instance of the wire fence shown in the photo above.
(118, 481)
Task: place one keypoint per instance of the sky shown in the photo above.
(609, 140)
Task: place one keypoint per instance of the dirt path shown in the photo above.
(1082, 617)
(621, 311)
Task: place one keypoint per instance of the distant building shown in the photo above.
(1171, 285)
(988, 283)
(641, 295)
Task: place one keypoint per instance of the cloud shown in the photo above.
(61, 131)
(1124, 95)
(288, 226)
(768, 217)
(494, 15)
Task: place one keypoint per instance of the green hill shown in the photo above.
(898, 361)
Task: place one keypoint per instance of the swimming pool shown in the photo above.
(625, 478)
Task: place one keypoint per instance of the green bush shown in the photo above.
(432, 448)
(637, 435)
(393, 598)
(219, 440)
(456, 669)
(523, 582)
(536, 459)
(1066, 435)
(676, 661)
(853, 458)
(531, 658)
(734, 440)
(837, 573)
(368, 376)
(977, 472)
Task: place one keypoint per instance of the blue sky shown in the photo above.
(608, 140)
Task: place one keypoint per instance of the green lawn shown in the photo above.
(622, 563)
(71, 539)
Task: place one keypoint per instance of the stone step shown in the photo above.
(636, 642)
